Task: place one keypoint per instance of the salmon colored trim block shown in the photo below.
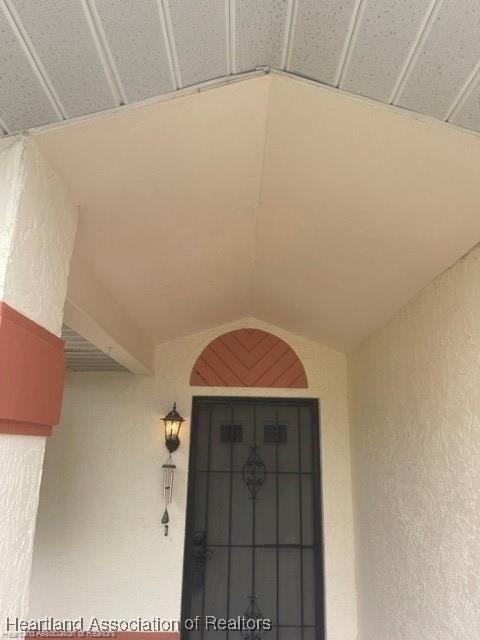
(32, 370)
(249, 358)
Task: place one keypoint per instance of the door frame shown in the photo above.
(312, 403)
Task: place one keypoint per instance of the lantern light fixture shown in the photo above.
(173, 422)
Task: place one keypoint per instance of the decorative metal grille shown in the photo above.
(254, 615)
(254, 472)
(253, 522)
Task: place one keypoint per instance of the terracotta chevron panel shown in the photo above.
(249, 358)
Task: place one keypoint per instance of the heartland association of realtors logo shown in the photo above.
(105, 627)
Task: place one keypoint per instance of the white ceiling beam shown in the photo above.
(464, 93)
(346, 54)
(164, 97)
(167, 25)
(103, 48)
(34, 59)
(415, 49)
(289, 33)
(231, 36)
(407, 113)
(92, 312)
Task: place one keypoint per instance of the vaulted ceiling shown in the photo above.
(65, 58)
(270, 197)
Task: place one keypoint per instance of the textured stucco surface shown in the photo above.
(416, 452)
(99, 547)
(44, 226)
(21, 459)
(36, 238)
(11, 154)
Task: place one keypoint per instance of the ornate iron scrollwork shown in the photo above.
(253, 613)
(200, 556)
(254, 473)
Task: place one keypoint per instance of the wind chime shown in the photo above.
(173, 421)
(168, 476)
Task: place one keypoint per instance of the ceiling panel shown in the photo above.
(386, 32)
(60, 33)
(23, 101)
(136, 39)
(345, 187)
(363, 203)
(468, 114)
(62, 58)
(192, 186)
(320, 33)
(259, 33)
(200, 30)
(447, 57)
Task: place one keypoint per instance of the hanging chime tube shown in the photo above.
(168, 477)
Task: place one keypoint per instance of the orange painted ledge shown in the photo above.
(32, 371)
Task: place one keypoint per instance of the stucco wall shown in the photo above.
(415, 388)
(99, 547)
(37, 227)
(42, 240)
(21, 459)
(11, 154)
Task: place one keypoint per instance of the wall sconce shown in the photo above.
(172, 421)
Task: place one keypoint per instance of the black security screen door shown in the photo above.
(253, 545)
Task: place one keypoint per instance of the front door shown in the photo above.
(253, 553)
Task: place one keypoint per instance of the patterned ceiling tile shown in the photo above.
(136, 39)
(386, 33)
(23, 101)
(200, 30)
(60, 33)
(447, 57)
(320, 33)
(260, 33)
(468, 113)
(63, 58)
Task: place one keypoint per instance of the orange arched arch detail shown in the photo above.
(249, 358)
